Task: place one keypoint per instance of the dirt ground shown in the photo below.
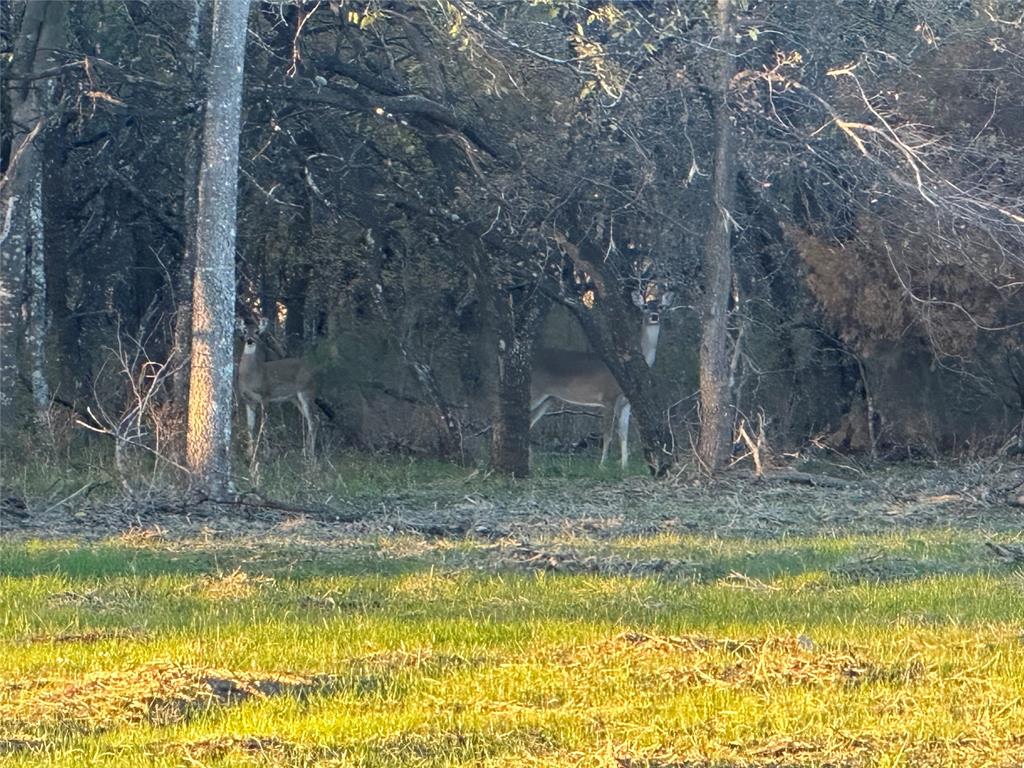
(980, 497)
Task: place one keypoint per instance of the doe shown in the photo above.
(582, 378)
(262, 381)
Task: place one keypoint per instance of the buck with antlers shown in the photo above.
(582, 378)
(262, 381)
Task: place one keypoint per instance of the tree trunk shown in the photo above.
(612, 333)
(37, 305)
(65, 323)
(190, 204)
(614, 337)
(515, 318)
(715, 408)
(510, 436)
(213, 301)
(43, 32)
(13, 238)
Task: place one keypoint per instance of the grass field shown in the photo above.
(562, 622)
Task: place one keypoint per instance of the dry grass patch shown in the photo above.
(236, 585)
(842, 751)
(752, 663)
(9, 746)
(71, 597)
(422, 658)
(878, 569)
(249, 750)
(90, 636)
(456, 746)
(522, 556)
(140, 537)
(158, 693)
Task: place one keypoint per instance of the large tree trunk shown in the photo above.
(37, 304)
(510, 435)
(190, 204)
(43, 32)
(614, 335)
(65, 323)
(615, 338)
(515, 316)
(715, 407)
(213, 303)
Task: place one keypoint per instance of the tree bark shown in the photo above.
(715, 407)
(515, 316)
(615, 339)
(43, 32)
(517, 323)
(190, 203)
(612, 333)
(65, 324)
(37, 304)
(213, 300)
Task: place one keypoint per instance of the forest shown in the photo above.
(429, 193)
(421, 350)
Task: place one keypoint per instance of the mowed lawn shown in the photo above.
(747, 626)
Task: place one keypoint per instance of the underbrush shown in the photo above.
(283, 474)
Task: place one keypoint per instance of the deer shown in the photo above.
(582, 378)
(262, 381)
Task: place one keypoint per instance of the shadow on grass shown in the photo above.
(743, 564)
(105, 561)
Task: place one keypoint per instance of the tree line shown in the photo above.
(420, 196)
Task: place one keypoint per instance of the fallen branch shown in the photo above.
(793, 476)
(257, 501)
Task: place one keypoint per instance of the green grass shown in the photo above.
(438, 658)
(580, 619)
(284, 474)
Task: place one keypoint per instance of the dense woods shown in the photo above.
(430, 193)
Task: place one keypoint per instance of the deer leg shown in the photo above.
(623, 424)
(305, 406)
(609, 415)
(538, 409)
(250, 422)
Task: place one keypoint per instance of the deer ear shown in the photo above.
(638, 298)
(666, 298)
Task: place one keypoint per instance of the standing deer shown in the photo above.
(262, 381)
(582, 378)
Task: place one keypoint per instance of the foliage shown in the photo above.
(463, 139)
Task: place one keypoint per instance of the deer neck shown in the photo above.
(649, 342)
(251, 358)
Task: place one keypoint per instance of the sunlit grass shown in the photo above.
(839, 650)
